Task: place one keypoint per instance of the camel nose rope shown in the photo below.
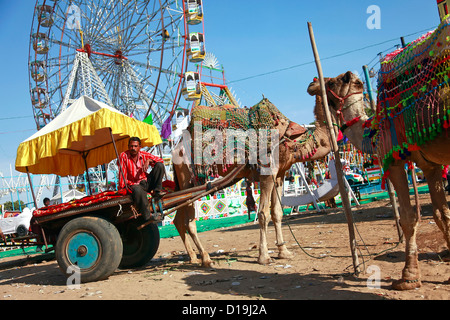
(339, 112)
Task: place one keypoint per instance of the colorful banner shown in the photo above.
(219, 206)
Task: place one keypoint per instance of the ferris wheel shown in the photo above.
(130, 54)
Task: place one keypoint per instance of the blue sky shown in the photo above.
(252, 39)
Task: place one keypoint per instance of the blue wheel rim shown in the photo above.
(83, 250)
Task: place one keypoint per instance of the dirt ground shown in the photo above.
(320, 269)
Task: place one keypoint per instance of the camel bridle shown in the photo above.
(342, 106)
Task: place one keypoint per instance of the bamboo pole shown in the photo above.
(390, 187)
(31, 188)
(118, 157)
(416, 192)
(340, 173)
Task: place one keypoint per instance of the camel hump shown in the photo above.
(221, 117)
(264, 115)
(294, 130)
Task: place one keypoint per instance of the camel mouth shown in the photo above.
(295, 136)
(294, 131)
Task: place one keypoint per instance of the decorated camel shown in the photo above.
(410, 124)
(266, 161)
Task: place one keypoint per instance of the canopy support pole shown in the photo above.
(87, 173)
(117, 154)
(31, 188)
(36, 206)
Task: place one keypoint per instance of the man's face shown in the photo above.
(134, 147)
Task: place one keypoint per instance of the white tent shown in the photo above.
(67, 196)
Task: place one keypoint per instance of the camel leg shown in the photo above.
(192, 229)
(180, 221)
(408, 221)
(441, 212)
(185, 218)
(266, 185)
(277, 216)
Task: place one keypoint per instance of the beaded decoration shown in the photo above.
(413, 97)
(262, 116)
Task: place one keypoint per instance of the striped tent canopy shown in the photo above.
(81, 137)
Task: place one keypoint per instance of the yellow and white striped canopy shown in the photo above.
(83, 130)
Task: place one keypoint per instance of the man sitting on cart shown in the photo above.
(134, 164)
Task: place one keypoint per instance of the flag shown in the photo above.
(149, 119)
(166, 128)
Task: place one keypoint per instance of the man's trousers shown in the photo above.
(153, 182)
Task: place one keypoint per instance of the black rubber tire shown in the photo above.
(22, 231)
(107, 239)
(139, 246)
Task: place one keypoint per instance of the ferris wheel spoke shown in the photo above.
(115, 21)
(96, 27)
(130, 32)
(143, 50)
(55, 75)
(134, 51)
(72, 40)
(151, 67)
(127, 88)
(115, 27)
(56, 61)
(143, 31)
(132, 40)
(104, 14)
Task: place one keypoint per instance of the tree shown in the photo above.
(8, 205)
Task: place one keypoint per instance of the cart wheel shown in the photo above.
(22, 231)
(139, 246)
(92, 244)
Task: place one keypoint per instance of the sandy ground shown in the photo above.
(320, 269)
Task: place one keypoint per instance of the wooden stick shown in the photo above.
(31, 188)
(416, 191)
(118, 157)
(340, 173)
(219, 184)
(389, 185)
(201, 195)
(391, 192)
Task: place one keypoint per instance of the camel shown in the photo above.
(345, 96)
(296, 145)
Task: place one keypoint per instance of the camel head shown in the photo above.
(345, 95)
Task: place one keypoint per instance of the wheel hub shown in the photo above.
(82, 250)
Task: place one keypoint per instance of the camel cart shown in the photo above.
(102, 232)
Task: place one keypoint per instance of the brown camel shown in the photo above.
(296, 144)
(346, 103)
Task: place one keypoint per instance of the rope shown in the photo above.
(342, 103)
(337, 256)
(120, 211)
(330, 57)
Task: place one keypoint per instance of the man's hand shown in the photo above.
(148, 162)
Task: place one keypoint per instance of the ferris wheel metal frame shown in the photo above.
(128, 54)
(74, 50)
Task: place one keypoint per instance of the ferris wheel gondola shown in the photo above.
(128, 54)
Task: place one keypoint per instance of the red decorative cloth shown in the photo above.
(168, 186)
